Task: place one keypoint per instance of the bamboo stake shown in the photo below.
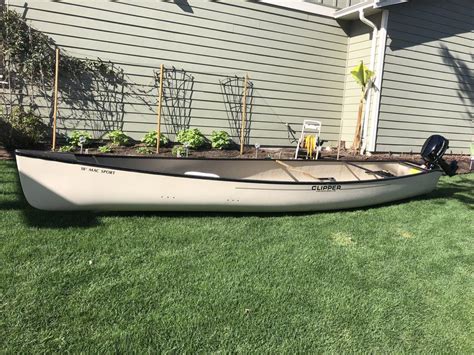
(339, 139)
(160, 100)
(55, 112)
(244, 115)
(357, 136)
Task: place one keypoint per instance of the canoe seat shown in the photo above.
(201, 174)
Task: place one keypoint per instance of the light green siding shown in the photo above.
(295, 61)
(428, 83)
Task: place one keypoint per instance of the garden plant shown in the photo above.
(363, 77)
(21, 129)
(78, 138)
(118, 138)
(192, 137)
(220, 140)
(150, 139)
(104, 149)
(144, 150)
(178, 151)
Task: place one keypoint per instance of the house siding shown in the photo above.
(428, 83)
(296, 61)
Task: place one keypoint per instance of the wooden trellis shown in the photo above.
(238, 97)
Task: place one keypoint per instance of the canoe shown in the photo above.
(65, 181)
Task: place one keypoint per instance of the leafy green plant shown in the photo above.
(144, 150)
(67, 148)
(104, 149)
(362, 76)
(220, 140)
(21, 129)
(192, 137)
(118, 138)
(150, 139)
(178, 150)
(77, 136)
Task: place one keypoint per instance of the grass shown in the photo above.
(395, 278)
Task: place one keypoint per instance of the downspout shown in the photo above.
(378, 80)
(371, 68)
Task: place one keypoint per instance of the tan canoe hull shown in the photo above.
(59, 186)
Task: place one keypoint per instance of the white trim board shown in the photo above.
(383, 3)
(369, 7)
(301, 5)
(378, 80)
(352, 12)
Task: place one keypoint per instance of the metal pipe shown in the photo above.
(378, 79)
(371, 68)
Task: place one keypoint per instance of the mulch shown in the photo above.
(463, 161)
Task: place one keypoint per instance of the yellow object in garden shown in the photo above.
(310, 144)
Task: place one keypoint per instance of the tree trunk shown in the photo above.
(357, 136)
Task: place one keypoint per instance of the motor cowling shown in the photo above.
(433, 151)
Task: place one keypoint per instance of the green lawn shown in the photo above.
(392, 278)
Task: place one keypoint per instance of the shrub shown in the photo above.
(192, 137)
(67, 148)
(178, 150)
(118, 138)
(220, 140)
(104, 149)
(150, 139)
(144, 150)
(21, 129)
(75, 138)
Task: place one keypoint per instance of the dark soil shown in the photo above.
(6, 154)
(463, 161)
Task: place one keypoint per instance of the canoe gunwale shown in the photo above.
(65, 158)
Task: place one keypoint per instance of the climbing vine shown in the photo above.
(30, 54)
(29, 57)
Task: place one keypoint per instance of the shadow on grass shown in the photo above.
(15, 200)
(57, 220)
(47, 219)
(462, 192)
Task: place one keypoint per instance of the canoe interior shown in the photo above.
(298, 171)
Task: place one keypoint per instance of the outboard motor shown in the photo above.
(433, 151)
